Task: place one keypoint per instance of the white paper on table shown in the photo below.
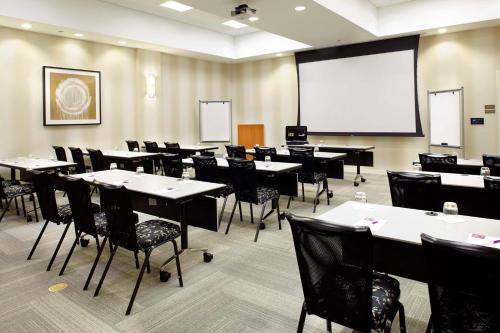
(479, 239)
(373, 223)
(165, 190)
(451, 218)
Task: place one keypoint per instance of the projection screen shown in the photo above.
(368, 94)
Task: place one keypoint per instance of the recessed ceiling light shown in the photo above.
(235, 24)
(442, 30)
(279, 54)
(26, 26)
(300, 8)
(253, 19)
(176, 6)
(122, 42)
(78, 34)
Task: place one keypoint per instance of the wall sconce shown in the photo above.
(151, 86)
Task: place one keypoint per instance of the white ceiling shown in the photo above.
(199, 32)
(194, 16)
(383, 3)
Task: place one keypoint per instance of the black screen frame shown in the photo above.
(362, 49)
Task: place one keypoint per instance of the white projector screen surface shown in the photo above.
(215, 121)
(371, 94)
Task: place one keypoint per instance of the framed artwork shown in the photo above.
(71, 96)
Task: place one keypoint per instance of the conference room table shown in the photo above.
(466, 190)
(188, 150)
(465, 166)
(185, 201)
(397, 247)
(358, 155)
(24, 164)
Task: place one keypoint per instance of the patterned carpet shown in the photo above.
(248, 287)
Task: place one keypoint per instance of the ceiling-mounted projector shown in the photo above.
(243, 12)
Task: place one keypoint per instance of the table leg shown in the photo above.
(13, 174)
(359, 176)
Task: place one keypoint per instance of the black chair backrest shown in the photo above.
(77, 155)
(97, 160)
(117, 204)
(305, 156)
(415, 190)
(335, 265)
(236, 151)
(438, 162)
(172, 165)
(463, 286)
(45, 192)
(492, 187)
(151, 146)
(172, 147)
(132, 145)
(78, 192)
(205, 168)
(244, 179)
(60, 153)
(262, 152)
(492, 162)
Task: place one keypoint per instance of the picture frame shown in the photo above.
(71, 96)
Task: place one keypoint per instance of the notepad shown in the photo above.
(479, 239)
(373, 223)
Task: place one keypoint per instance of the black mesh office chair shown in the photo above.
(248, 189)
(86, 220)
(133, 145)
(60, 153)
(172, 148)
(206, 170)
(438, 162)
(262, 152)
(152, 147)
(492, 162)
(492, 187)
(236, 151)
(463, 286)
(51, 212)
(10, 191)
(415, 190)
(77, 155)
(336, 270)
(97, 160)
(172, 165)
(125, 231)
(309, 173)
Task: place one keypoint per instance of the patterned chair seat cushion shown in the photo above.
(10, 182)
(312, 178)
(153, 233)
(226, 191)
(17, 190)
(266, 193)
(385, 293)
(101, 223)
(66, 214)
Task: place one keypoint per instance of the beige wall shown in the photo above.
(262, 92)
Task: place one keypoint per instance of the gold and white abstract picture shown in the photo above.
(71, 97)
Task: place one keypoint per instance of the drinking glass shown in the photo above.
(360, 197)
(185, 175)
(267, 161)
(140, 170)
(136, 150)
(485, 171)
(417, 167)
(197, 153)
(114, 166)
(450, 208)
(51, 158)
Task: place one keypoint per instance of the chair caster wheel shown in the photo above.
(330, 194)
(29, 218)
(356, 184)
(363, 180)
(262, 226)
(164, 276)
(84, 242)
(282, 216)
(207, 257)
